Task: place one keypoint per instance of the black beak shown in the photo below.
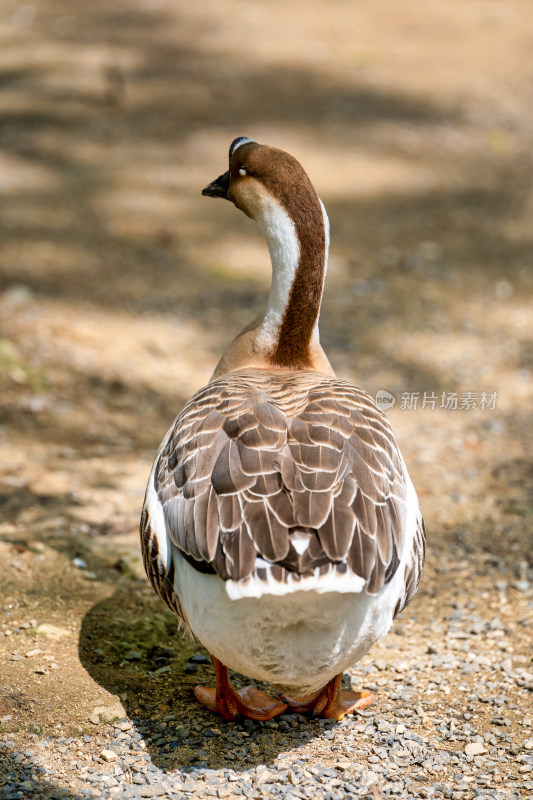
(218, 187)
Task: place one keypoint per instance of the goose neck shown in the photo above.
(298, 242)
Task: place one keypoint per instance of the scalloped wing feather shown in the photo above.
(290, 472)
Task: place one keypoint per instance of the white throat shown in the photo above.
(284, 249)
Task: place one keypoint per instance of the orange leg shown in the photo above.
(331, 702)
(229, 702)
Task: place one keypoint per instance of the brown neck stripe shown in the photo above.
(301, 314)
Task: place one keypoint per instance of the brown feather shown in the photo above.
(337, 532)
(311, 509)
(270, 536)
(229, 512)
(281, 506)
(383, 534)
(320, 434)
(262, 438)
(362, 555)
(227, 476)
(267, 484)
(377, 577)
(240, 552)
(365, 512)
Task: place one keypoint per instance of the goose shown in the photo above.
(280, 523)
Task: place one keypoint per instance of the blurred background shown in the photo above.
(120, 285)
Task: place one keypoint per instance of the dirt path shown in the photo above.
(119, 285)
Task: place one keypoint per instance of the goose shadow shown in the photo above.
(18, 778)
(129, 644)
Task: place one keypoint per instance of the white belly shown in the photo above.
(298, 641)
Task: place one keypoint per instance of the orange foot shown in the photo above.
(331, 702)
(248, 702)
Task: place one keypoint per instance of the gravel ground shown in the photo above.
(120, 284)
(453, 716)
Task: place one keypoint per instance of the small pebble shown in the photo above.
(133, 656)
(474, 749)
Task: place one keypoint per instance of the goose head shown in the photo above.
(260, 176)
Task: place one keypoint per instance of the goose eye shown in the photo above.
(242, 171)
